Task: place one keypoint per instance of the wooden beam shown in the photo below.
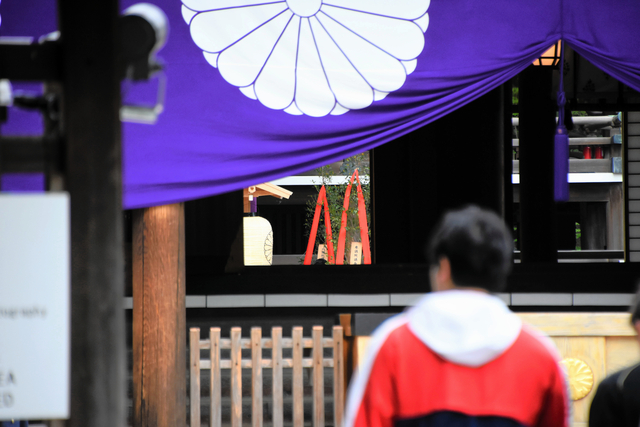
(589, 121)
(159, 317)
(91, 93)
(586, 192)
(407, 278)
(597, 140)
(580, 165)
(274, 190)
(266, 189)
(27, 153)
(30, 61)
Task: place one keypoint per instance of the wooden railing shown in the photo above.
(277, 362)
(601, 153)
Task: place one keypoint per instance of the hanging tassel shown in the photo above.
(561, 167)
(561, 145)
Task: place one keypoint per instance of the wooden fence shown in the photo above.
(276, 343)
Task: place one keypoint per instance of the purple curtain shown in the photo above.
(259, 90)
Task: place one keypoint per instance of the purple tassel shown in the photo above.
(561, 165)
(561, 145)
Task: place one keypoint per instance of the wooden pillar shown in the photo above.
(90, 107)
(537, 206)
(159, 317)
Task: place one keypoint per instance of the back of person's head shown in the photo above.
(478, 246)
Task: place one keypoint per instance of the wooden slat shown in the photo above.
(225, 343)
(298, 409)
(338, 376)
(306, 342)
(236, 378)
(194, 375)
(266, 363)
(345, 322)
(348, 349)
(215, 383)
(580, 324)
(276, 357)
(318, 378)
(256, 377)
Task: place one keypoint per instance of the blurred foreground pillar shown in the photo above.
(159, 317)
(91, 127)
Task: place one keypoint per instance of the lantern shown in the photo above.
(551, 57)
(258, 241)
(257, 231)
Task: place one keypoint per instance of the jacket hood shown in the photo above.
(469, 328)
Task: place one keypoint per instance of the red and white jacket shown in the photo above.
(458, 358)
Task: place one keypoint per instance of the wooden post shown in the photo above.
(338, 376)
(215, 383)
(348, 349)
(159, 317)
(256, 377)
(276, 369)
(318, 378)
(90, 110)
(194, 375)
(298, 405)
(236, 377)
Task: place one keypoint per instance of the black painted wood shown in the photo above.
(579, 165)
(35, 61)
(414, 182)
(536, 129)
(91, 92)
(407, 278)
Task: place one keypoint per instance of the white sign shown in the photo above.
(34, 306)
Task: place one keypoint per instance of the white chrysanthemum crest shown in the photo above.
(311, 57)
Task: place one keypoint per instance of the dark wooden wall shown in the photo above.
(213, 227)
(454, 161)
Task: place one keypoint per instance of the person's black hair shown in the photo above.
(478, 246)
(635, 307)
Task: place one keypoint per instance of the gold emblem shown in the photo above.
(580, 377)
